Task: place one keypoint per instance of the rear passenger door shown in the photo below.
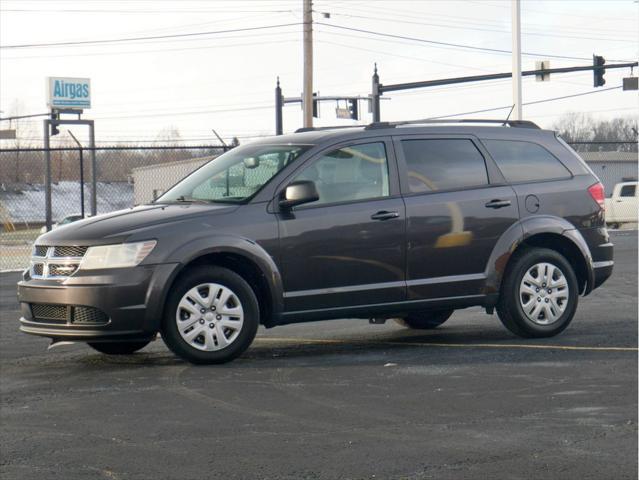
(457, 207)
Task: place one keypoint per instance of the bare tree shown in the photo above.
(26, 135)
(580, 127)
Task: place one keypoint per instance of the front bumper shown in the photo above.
(99, 305)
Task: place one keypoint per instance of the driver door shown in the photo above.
(348, 247)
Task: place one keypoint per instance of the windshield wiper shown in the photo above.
(183, 199)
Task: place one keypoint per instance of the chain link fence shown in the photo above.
(127, 176)
(124, 176)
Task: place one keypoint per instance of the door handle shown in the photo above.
(384, 215)
(498, 204)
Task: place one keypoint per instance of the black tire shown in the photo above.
(226, 278)
(426, 320)
(118, 348)
(509, 308)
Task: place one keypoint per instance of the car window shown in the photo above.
(443, 164)
(236, 175)
(525, 161)
(350, 173)
(628, 191)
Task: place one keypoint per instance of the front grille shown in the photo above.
(57, 262)
(49, 313)
(62, 270)
(69, 251)
(89, 316)
(67, 314)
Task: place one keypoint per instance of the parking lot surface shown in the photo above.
(337, 399)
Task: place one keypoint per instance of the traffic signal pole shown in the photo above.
(379, 89)
(279, 103)
(316, 99)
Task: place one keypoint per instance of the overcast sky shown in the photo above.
(226, 80)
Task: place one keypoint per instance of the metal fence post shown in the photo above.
(94, 167)
(47, 179)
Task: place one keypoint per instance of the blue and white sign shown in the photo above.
(69, 93)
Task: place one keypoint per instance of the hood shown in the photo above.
(115, 227)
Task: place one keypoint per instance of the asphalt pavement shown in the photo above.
(339, 399)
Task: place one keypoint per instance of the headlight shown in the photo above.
(116, 256)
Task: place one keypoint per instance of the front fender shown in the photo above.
(186, 253)
(514, 236)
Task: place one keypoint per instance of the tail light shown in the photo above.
(596, 191)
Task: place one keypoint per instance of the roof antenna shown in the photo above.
(508, 117)
(220, 138)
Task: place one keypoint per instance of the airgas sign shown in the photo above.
(68, 93)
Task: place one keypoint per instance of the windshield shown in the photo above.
(234, 176)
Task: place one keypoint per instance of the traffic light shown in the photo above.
(353, 108)
(54, 123)
(315, 105)
(598, 73)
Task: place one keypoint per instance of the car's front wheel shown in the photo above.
(539, 294)
(211, 316)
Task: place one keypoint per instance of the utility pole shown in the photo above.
(307, 95)
(516, 57)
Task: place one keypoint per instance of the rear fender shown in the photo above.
(512, 238)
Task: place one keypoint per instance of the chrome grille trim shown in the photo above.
(47, 263)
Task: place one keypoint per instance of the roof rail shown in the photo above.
(431, 121)
(335, 127)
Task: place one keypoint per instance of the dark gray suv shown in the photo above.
(392, 220)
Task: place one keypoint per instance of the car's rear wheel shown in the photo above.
(539, 294)
(118, 348)
(425, 320)
(211, 316)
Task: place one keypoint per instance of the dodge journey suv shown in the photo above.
(406, 220)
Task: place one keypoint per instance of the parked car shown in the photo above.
(66, 220)
(392, 220)
(623, 206)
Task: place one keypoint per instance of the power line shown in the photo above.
(156, 37)
(25, 116)
(448, 44)
(196, 112)
(527, 103)
(184, 11)
(136, 52)
(462, 27)
(394, 13)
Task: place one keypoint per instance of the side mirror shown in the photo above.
(251, 162)
(299, 192)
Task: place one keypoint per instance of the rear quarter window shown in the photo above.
(525, 161)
